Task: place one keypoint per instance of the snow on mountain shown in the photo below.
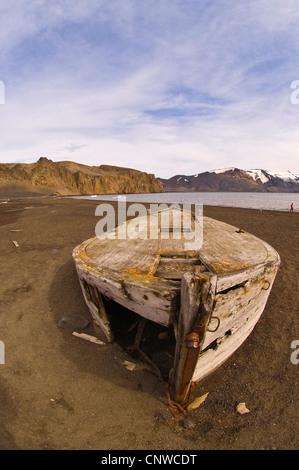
(286, 176)
(258, 175)
(221, 170)
(235, 179)
(263, 175)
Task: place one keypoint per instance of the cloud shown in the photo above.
(166, 87)
(73, 148)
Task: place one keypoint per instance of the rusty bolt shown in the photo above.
(192, 340)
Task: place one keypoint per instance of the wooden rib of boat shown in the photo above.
(212, 297)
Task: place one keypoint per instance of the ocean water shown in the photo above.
(263, 201)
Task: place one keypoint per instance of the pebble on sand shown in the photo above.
(242, 409)
(197, 402)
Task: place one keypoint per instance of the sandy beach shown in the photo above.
(59, 391)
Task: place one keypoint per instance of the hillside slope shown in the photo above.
(234, 179)
(66, 178)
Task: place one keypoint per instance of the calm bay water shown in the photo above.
(270, 201)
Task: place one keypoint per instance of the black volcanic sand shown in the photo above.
(58, 391)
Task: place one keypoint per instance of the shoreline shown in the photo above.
(113, 202)
(106, 198)
(61, 392)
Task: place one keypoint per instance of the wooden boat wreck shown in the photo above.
(211, 297)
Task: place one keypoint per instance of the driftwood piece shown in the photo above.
(97, 309)
(92, 339)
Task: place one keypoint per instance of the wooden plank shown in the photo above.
(176, 267)
(233, 307)
(227, 280)
(123, 255)
(151, 300)
(225, 249)
(239, 311)
(176, 260)
(197, 293)
(190, 301)
(96, 307)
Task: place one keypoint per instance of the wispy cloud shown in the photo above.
(73, 148)
(167, 87)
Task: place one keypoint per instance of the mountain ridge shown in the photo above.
(233, 180)
(66, 178)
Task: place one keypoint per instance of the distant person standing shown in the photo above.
(292, 207)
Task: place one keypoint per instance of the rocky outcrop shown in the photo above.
(234, 180)
(46, 177)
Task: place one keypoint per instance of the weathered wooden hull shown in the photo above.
(215, 295)
(238, 311)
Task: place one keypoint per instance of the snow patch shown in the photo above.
(286, 176)
(263, 176)
(257, 175)
(223, 170)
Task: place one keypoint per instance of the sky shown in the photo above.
(168, 87)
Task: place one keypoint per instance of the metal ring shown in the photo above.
(266, 288)
(218, 319)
